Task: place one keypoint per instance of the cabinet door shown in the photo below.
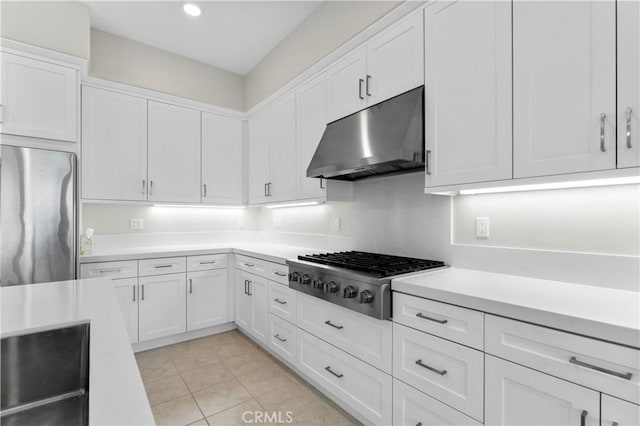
(617, 412)
(468, 92)
(258, 292)
(126, 291)
(258, 157)
(243, 301)
(206, 298)
(516, 395)
(221, 159)
(345, 85)
(39, 99)
(628, 83)
(282, 149)
(174, 153)
(395, 60)
(114, 146)
(564, 80)
(163, 306)
(311, 106)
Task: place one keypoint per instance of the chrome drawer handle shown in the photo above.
(628, 132)
(435, 370)
(250, 265)
(420, 315)
(280, 274)
(583, 417)
(107, 270)
(207, 262)
(339, 327)
(277, 336)
(280, 301)
(328, 368)
(360, 81)
(162, 266)
(603, 117)
(626, 376)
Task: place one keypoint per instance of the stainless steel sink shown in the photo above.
(45, 377)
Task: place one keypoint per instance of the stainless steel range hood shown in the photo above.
(385, 138)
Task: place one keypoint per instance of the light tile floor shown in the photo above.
(214, 380)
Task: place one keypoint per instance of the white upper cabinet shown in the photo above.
(564, 82)
(114, 146)
(311, 122)
(282, 149)
(468, 92)
(628, 83)
(174, 153)
(39, 99)
(395, 60)
(258, 157)
(388, 65)
(345, 85)
(222, 177)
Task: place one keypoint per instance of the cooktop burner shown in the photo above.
(380, 265)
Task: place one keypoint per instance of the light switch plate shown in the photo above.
(337, 223)
(136, 224)
(482, 227)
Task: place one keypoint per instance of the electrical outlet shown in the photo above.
(337, 223)
(136, 224)
(482, 227)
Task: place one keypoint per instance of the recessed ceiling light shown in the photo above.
(191, 9)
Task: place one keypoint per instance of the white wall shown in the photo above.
(57, 25)
(328, 27)
(130, 62)
(318, 219)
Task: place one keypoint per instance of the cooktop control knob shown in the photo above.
(366, 296)
(306, 279)
(317, 283)
(294, 276)
(350, 292)
(330, 287)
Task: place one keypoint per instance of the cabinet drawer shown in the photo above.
(279, 273)
(251, 264)
(282, 338)
(589, 362)
(412, 407)
(282, 302)
(207, 261)
(357, 384)
(167, 265)
(447, 371)
(618, 411)
(364, 337)
(451, 322)
(114, 270)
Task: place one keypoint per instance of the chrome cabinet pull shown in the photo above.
(426, 161)
(367, 86)
(277, 336)
(142, 298)
(328, 368)
(269, 189)
(628, 133)
(280, 274)
(280, 301)
(250, 265)
(208, 262)
(321, 183)
(574, 360)
(329, 323)
(204, 190)
(603, 117)
(190, 285)
(420, 315)
(360, 81)
(134, 292)
(249, 288)
(144, 184)
(265, 190)
(435, 370)
(150, 187)
(245, 286)
(162, 266)
(583, 417)
(107, 270)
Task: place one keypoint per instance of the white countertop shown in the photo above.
(603, 313)
(116, 393)
(278, 253)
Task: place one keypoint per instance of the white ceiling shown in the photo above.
(232, 35)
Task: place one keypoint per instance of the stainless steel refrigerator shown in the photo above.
(38, 215)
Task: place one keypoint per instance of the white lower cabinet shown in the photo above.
(126, 290)
(412, 407)
(252, 309)
(617, 412)
(447, 371)
(243, 301)
(282, 301)
(517, 395)
(206, 298)
(358, 385)
(162, 306)
(282, 338)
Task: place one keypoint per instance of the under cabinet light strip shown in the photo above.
(199, 206)
(554, 185)
(307, 203)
